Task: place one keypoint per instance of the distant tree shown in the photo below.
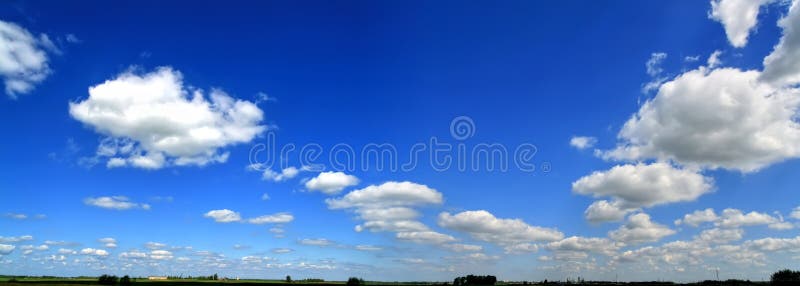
(214, 277)
(473, 280)
(125, 281)
(353, 281)
(106, 279)
(288, 279)
(785, 277)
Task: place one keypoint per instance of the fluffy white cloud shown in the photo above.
(720, 235)
(603, 211)
(115, 203)
(584, 244)
(94, 252)
(738, 17)
(6, 249)
(273, 218)
(388, 194)
(795, 213)
(227, 216)
(698, 217)
(737, 218)
(639, 229)
(640, 185)
(331, 183)
(316, 241)
(752, 125)
(223, 215)
(425, 237)
(160, 255)
(582, 142)
(461, 247)
(154, 120)
(482, 225)
(23, 58)
(782, 66)
(15, 239)
(285, 174)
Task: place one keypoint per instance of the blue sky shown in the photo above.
(664, 134)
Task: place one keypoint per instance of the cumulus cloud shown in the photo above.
(114, 203)
(15, 239)
(389, 207)
(637, 186)
(94, 252)
(153, 120)
(228, 216)
(23, 58)
(6, 249)
(484, 226)
(425, 237)
(461, 247)
(388, 194)
(698, 217)
(738, 17)
(161, 255)
(273, 218)
(286, 173)
(795, 213)
(720, 236)
(223, 215)
(752, 125)
(639, 229)
(782, 66)
(108, 242)
(331, 183)
(733, 218)
(582, 142)
(316, 241)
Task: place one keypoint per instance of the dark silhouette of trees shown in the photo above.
(215, 277)
(785, 277)
(288, 279)
(125, 281)
(353, 281)
(473, 280)
(106, 279)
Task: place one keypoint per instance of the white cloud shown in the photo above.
(108, 242)
(752, 125)
(795, 213)
(23, 58)
(387, 195)
(482, 225)
(223, 216)
(639, 229)
(94, 252)
(782, 66)
(114, 203)
(331, 183)
(285, 174)
(153, 120)
(584, 244)
(228, 216)
(604, 211)
(135, 254)
(720, 235)
(6, 249)
(698, 217)
(160, 255)
(425, 237)
(461, 247)
(15, 239)
(282, 250)
(640, 185)
(154, 245)
(265, 197)
(654, 64)
(366, 247)
(582, 142)
(316, 241)
(66, 251)
(739, 17)
(736, 218)
(273, 218)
